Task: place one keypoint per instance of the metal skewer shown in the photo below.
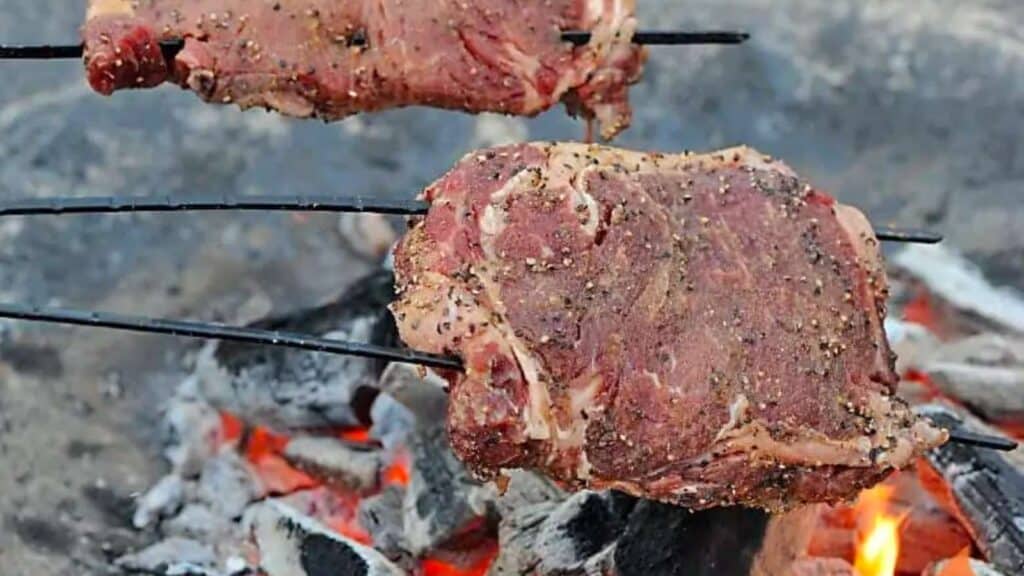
(129, 204)
(396, 206)
(312, 343)
(172, 47)
(962, 436)
(224, 332)
(667, 38)
(893, 234)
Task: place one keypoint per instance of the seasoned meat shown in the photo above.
(703, 330)
(334, 58)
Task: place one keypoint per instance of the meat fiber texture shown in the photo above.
(699, 329)
(334, 58)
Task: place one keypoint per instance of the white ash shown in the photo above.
(337, 463)
(961, 283)
(191, 429)
(984, 371)
(996, 393)
(989, 349)
(163, 499)
(172, 557)
(369, 235)
(293, 544)
(201, 522)
(227, 485)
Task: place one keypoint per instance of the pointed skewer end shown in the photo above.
(965, 437)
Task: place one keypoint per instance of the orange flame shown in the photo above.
(879, 547)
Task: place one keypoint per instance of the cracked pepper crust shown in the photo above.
(334, 58)
(699, 329)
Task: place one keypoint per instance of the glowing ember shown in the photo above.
(479, 567)
(921, 311)
(398, 472)
(336, 508)
(879, 547)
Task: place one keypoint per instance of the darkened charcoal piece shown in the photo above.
(293, 545)
(442, 501)
(291, 389)
(664, 540)
(704, 330)
(337, 463)
(987, 488)
(381, 516)
(331, 58)
(576, 536)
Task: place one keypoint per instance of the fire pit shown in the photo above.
(295, 463)
(367, 484)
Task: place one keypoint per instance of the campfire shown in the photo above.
(258, 485)
(284, 462)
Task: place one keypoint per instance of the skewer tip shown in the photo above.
(968, 438)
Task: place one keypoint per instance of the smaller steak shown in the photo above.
(704, 330)
(334, 58)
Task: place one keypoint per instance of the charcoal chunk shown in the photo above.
(337, 463)
(295, 545)
(288, 389)
(576, 536)
(381, 516)
(665, 540)
(442, 499)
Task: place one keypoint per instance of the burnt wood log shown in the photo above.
(573, 537)
(442, 502)
(985, 372)
(337, 463)
(665, 540)
(986, 487)
(293, 390)
(381, 516)
(292, 544)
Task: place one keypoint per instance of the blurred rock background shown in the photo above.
(913, 111)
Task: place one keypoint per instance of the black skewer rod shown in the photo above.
(42, 52)
(892, 234)
(961, 436)
(399, 207)
(171, 47)
(224, 332)
(667, 38)
(126, 204)
(311, 343)
(68, 51)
